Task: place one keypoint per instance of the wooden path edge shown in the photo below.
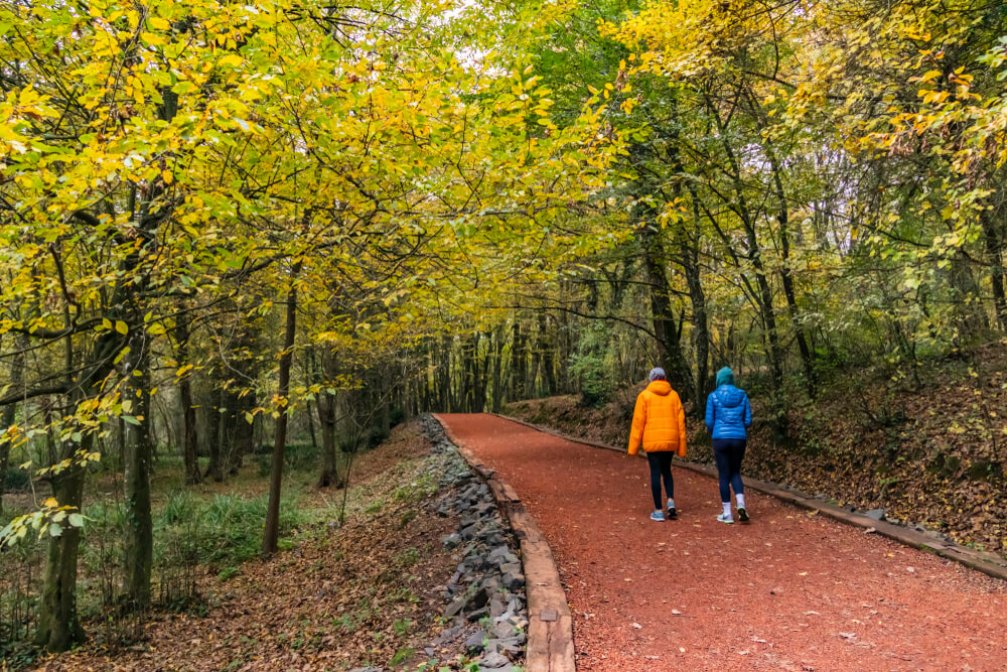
(987, 563)
(550, 624)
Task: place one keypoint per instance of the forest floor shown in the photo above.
(930, 452)
(367, 592)
(790, 591)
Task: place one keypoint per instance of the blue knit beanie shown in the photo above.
(657, 373)
(725, 376)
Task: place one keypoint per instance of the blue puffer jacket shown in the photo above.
(728, 413)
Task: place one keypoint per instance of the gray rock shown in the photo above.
(510, 567)
(478, 614)
(513, 578)
(498, 554)
(455, 607)
(452, 540)
(876, 514)
(497, 607)
(493, 661)
(448, 635)
(368, 669)
(475, 642)
(513, 646)
(504, 630)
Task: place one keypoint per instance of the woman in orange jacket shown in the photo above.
(659, 426)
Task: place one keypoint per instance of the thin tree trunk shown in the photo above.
(8, 420)
(215, 422)
(547, 346)
(327, 420)
(272, 530)
(783, 219)
(10, 411)
(497, 348)
(244, 432)
(662, 315)
(994, 256)
(139, 541)
(518, 374)
(190, 436)
(700, 320)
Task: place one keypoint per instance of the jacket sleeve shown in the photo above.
(639, 420)
(748, 413)
(680, 420)
(711, 412)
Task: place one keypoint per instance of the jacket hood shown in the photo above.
(661, 387)
(730, 396)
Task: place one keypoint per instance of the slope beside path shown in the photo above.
(791, 591)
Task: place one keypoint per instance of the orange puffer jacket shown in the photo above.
(658, 421)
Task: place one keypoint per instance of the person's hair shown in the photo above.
(725, 376)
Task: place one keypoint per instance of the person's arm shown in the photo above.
(639, 420)
(748, 413)
(680, 418)
(711, 413)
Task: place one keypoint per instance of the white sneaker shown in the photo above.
(724, 518)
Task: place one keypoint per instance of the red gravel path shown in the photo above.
(790, 591)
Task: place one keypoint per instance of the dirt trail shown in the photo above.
(790, 591)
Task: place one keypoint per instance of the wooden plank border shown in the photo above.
(987, 563)
(550, 624)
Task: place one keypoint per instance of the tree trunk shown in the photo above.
(10, 411)
(700, 321)
(327, 420)
(971, 316)
(547, 346)
(272, 531)
(518, 363)
(662, 315)
(214, 422)
(139, 541)
(229, 423)
(994, 257)
(497, 349)
(783, 219)
(190, 436)
(7, 421)
(58, 625)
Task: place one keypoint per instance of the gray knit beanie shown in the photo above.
(657, 373)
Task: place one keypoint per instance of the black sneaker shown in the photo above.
(672, 513)
(743, 516)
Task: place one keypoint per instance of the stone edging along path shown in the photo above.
(987, 563)
(550, 626)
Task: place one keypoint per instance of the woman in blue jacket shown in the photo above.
(728, 417)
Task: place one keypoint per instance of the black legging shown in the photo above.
(660, 466)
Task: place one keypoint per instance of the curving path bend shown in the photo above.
(791, 591)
